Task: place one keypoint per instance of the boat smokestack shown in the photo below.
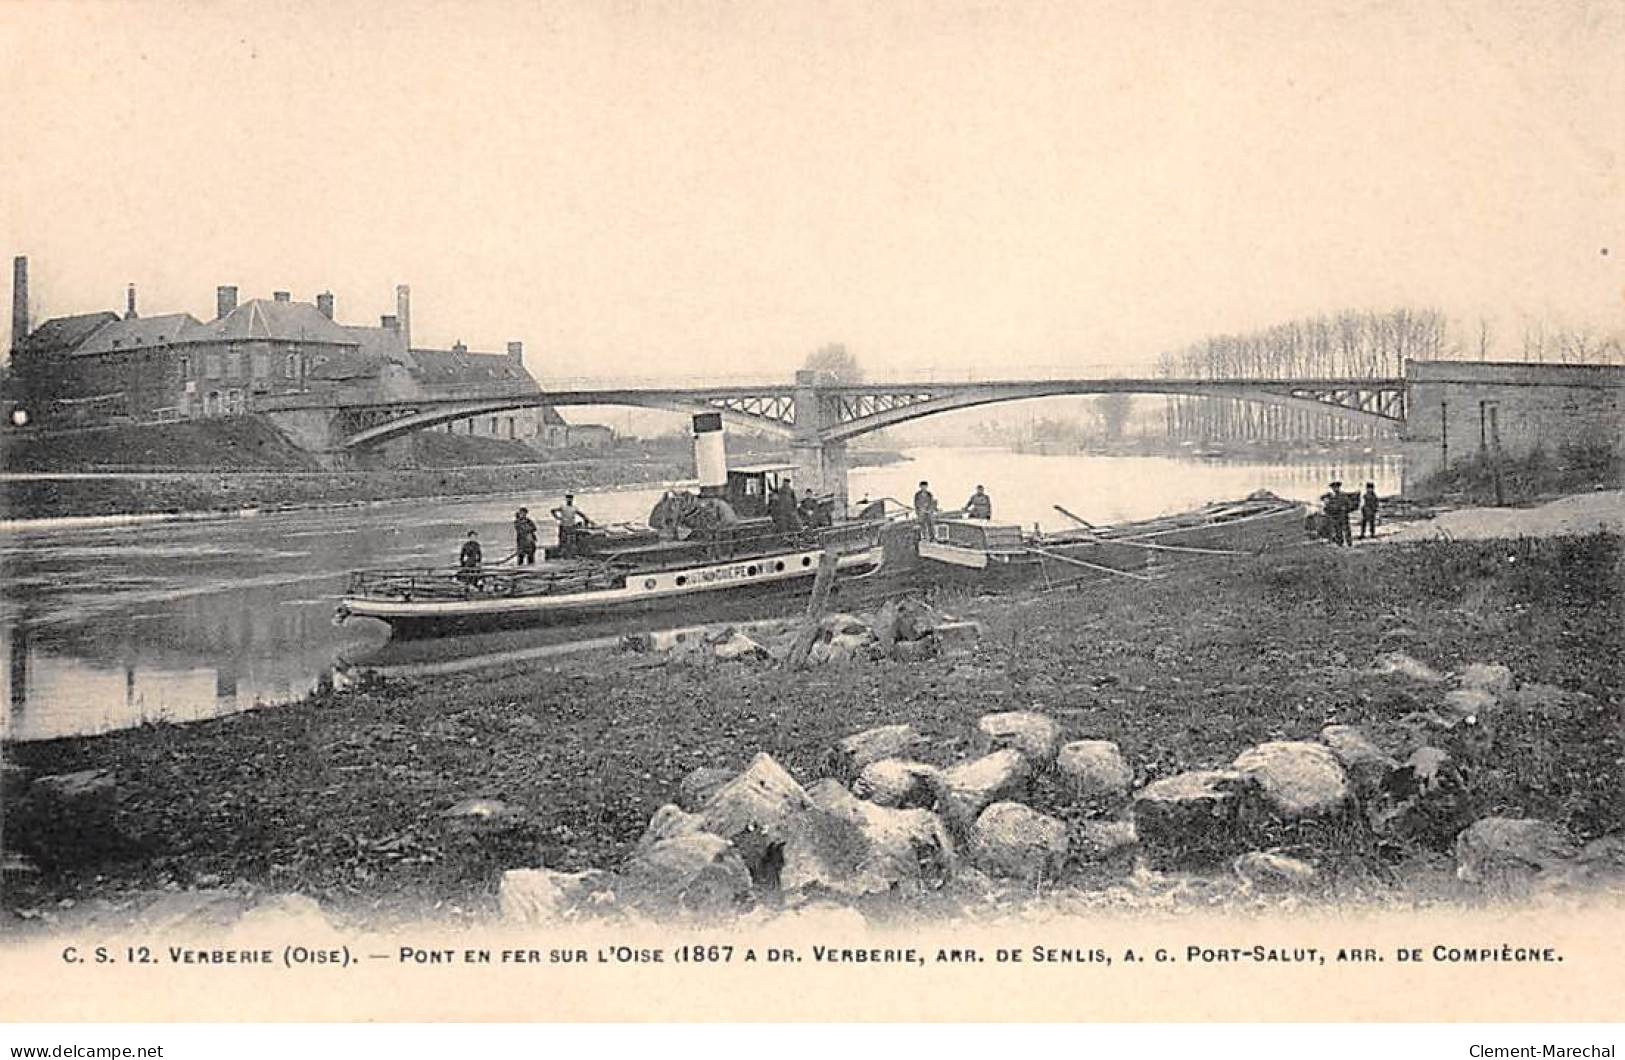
(19, 301)
(710, 455)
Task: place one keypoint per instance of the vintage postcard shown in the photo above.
(812, 511)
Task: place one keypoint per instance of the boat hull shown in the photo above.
(1136, 549)
(677, 590)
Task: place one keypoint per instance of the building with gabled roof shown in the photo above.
(98, 366)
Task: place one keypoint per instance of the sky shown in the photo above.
(710, 191)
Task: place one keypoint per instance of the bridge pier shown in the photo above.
(820, 465)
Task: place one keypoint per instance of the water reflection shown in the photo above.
(110, 627)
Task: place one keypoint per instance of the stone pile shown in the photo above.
(905, 629)
(1028, 809)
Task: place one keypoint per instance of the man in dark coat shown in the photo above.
(524, 537)
(1368, 510)
(980, 505)
(782, 508)
(469, 559)
(1336, 506)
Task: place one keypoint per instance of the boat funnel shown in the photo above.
(710, 456)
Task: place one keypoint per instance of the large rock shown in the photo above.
(1195, 818)
(1363, 761)
(737, 645)
(669, 822)
(1019, 842)
(1094, 771)
(845, 845)
(1512, 850)
(1426, 800)
(1398, 664)
(1104, 841)
(699, 872)
(542, 896)
(1274, 872)
(1486, 677)
(696, 789)
(1299, 779)
(849, 757)
(955, 638)
(753, 812)
(1031, 733)
(965, 790)
(897, 783)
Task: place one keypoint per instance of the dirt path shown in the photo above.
(1583, 513)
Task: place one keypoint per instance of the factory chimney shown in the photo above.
(324, 304)
(19, 301)
(710, 456)
(129, 302)
(403, 313)
(225, 300)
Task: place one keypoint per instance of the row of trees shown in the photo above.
(1372, 344)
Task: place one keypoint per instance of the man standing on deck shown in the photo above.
(925, 509)
(571, 523)
(524, 537)
(980, 505)
(1368, 510)
(782, 508)
(469, 558)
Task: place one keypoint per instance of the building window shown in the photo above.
(262, 363)
(493, 426)
(212, 366)
(186, 366)
(234, 400)
(512, 430)
(290, 366)
(234, 363)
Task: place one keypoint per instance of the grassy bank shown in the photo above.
(1540, 474)
(341, 797)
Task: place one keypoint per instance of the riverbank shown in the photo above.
(345, 797)
(38, 495)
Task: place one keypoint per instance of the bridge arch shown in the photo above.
(1284, 395)
(389, 422)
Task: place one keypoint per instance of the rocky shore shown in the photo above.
(1416, 723)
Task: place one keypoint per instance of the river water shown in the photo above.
(107, 627)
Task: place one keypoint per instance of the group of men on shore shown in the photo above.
(1336, 506)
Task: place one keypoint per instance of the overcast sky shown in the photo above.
(705, 189)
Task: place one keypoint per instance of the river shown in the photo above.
(106, 627)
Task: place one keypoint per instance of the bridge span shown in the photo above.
(816, 415)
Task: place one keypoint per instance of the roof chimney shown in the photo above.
(403, 310)
(129, 302)
(19, 301)
(516, 351)
(225, 300)
(282, 296)
(324, 304)
(389, 322)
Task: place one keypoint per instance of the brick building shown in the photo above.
(97, 367)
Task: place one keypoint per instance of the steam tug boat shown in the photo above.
(721, 541)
